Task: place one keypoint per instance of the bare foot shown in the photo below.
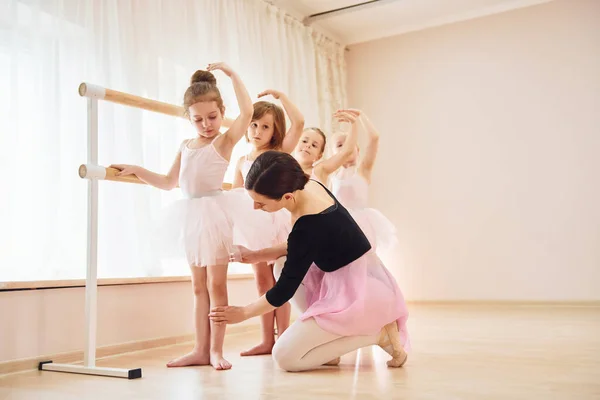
(334, 362)
(195, 357)
(218, 362)
(258, 350)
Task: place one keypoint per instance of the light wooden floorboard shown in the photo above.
(458, 352)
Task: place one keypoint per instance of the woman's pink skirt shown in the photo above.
(358, 299)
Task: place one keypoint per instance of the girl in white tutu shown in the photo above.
(267, 131)
(202, 224)
(348, 178)
(350, 185)
(310, 150)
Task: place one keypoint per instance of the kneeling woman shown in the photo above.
(348, 298)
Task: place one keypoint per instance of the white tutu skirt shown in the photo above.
(257, 229)
(201, 229)
(205, 229)
(379, 230)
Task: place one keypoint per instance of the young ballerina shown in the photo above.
(350, 185)
(310, 150)
(267, 132)
(203, 222)
(352, 301)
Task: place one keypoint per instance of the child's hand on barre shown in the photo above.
(125, 169)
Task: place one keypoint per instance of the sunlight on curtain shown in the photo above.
(148, 48)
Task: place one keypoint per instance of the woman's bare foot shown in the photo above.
(195, 357)
(259, 350)
(218, 362)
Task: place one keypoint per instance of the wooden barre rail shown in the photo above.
(89, 171)
(93, 173)
(114, 96)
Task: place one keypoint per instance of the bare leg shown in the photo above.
(200, 354)
(264, 281)
(217, 291)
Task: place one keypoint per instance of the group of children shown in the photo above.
(209, 223)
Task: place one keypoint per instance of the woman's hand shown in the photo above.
(125, 169)
(246, 256)
(227, 315)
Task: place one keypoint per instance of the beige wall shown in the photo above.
(41, 322)
(490, 155)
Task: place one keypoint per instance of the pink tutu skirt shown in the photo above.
(358, 299)
(258, 229)
(379, 230)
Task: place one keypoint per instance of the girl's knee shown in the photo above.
(199, 288)
(217, 290)
(217, 280)
(199, 281)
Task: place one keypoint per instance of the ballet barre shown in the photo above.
(98, 92)
(93, 173)
(90, 171)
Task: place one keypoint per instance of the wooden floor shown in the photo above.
(459, 352)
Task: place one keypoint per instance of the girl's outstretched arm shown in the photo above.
(165, 182)
(296, 120)
(325, 168)
(240, 125)
(368, 161)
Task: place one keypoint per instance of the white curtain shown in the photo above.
(330, 66)
(144, 47)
